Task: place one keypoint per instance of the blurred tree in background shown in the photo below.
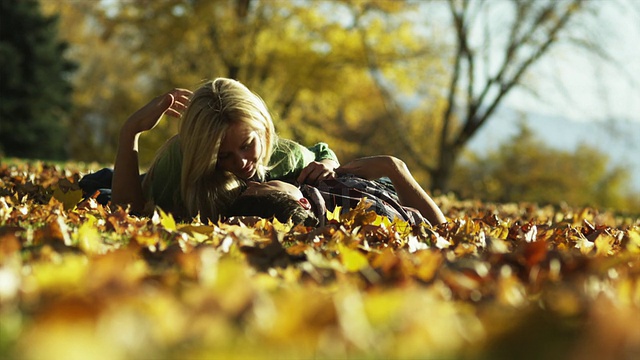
(494, 46)
(111, 82)
(414, 79)
(309, 63)
(526, 169)
(35, 91)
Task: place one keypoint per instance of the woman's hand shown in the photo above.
(146, 118)
(317, 171)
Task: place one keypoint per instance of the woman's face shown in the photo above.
(240, 150)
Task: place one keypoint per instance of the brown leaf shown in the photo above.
(272, 254)
(10, 244)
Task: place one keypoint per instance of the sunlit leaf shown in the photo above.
(280, 227)
(200, 233)
(604, 244)
(584, 245)
(353, 260)
(442, 243)
(335, 214)
(88, 237)
(501, 231)
(429, 262)
(67, 275)
(362, 286)
(382, 221)
(167, 221)
(633, 245)
(69, 198)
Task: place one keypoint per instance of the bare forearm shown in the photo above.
(126, 186)
(411, 194)
(330, 163)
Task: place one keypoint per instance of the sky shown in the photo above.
(593, 90)
(582, 90)
(582, 100)
(574, 87)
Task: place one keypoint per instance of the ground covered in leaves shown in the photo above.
(79, 281)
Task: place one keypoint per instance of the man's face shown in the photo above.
(267, 187)
(257, 188)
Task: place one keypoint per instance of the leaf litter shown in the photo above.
(496, 281)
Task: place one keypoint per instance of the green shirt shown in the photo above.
(289, 158)
(287, 161)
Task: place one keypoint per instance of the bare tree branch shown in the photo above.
(506, 84)
(393, 110)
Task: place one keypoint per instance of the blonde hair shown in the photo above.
(206, 190)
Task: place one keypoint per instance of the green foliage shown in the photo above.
(525, 169)
(35, 89)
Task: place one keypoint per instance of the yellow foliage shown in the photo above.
(91, 278)
(311, 67)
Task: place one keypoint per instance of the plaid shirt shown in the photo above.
(347, 191)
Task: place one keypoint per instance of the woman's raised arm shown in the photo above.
(126, 187)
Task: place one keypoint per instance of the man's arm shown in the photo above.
(410, 193)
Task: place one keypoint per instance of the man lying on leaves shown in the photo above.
(403, 198)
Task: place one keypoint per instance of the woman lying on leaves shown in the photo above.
(226, 136)
(307, 205)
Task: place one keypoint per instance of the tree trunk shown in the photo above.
(441, 175)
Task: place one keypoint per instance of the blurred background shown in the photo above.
(528, 101)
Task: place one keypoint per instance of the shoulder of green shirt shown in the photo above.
(322, 152)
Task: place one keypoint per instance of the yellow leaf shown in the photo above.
(68, 199)
(501, 231)
(402, 227)
(318, 260)
(429, 262)
(167, 221)
(66, 274)
(280, 227)
(382, 221)
(633, 246)
(148, 240)
(584, 245)
(335, 214)
(353, 260)
(604, 244)
(89, 237)
(200, 233)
